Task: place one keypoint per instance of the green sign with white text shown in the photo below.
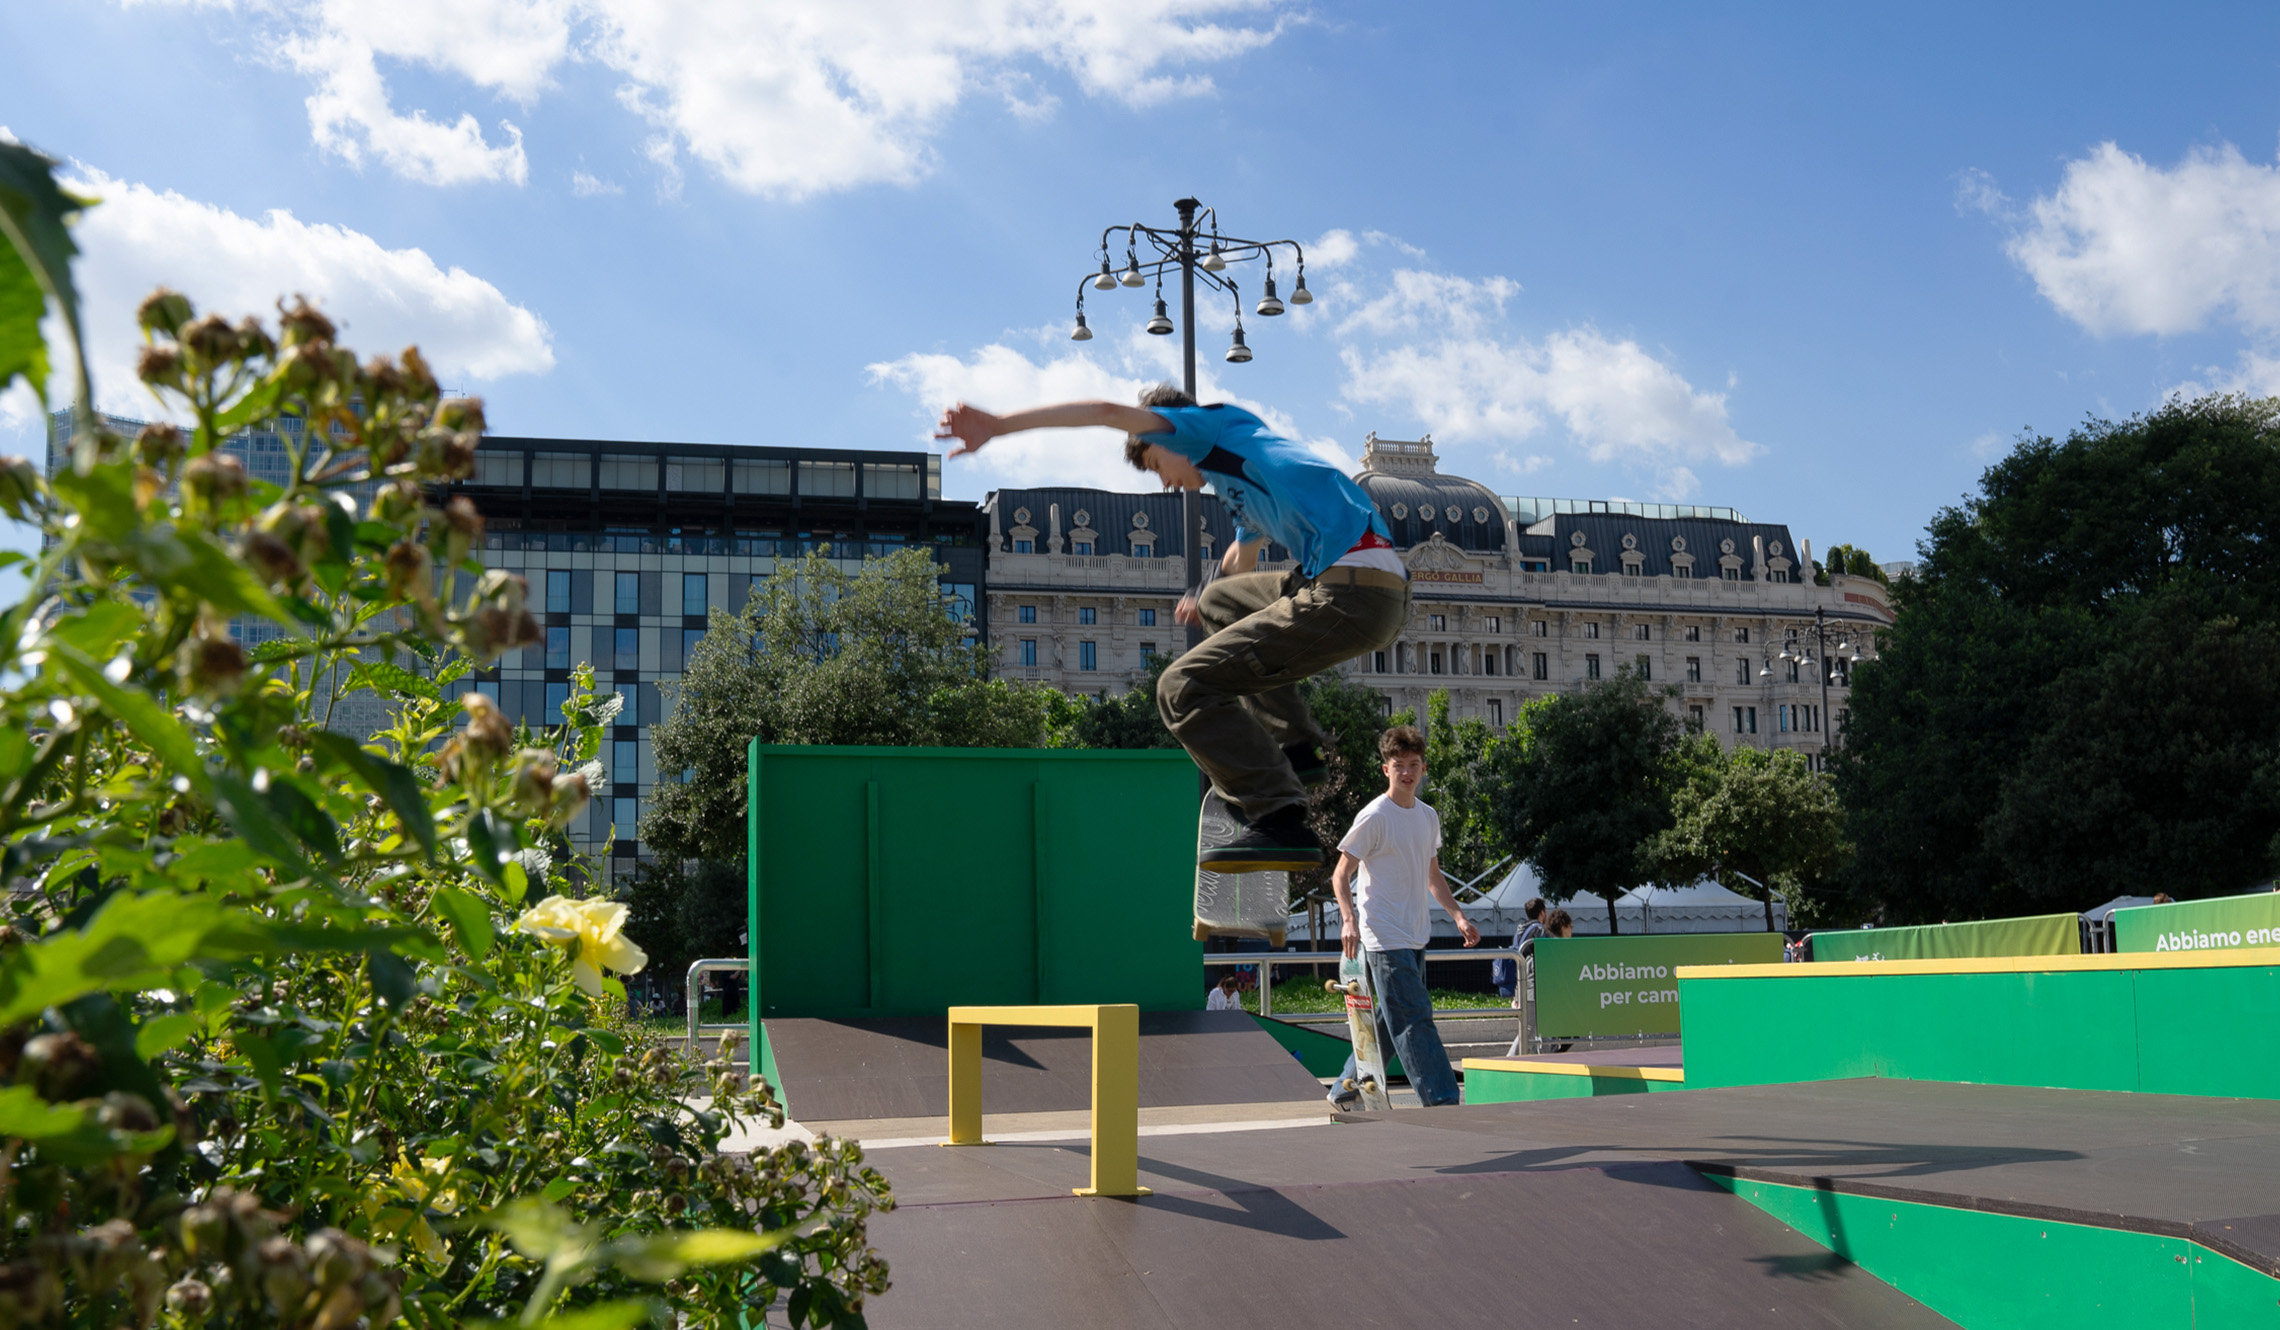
(1627, 987)
(2228, 921)
(2037, 935)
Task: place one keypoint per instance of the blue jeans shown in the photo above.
(1405, 1025)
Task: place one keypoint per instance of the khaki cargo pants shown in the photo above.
(1232, 700)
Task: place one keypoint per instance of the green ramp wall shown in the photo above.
(2191, 1023)
(903, 881)
(2036, 935)
(2222, 923)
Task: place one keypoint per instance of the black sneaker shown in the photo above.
(1280, 841)
(1307, 761)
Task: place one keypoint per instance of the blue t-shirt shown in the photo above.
(1271, 486)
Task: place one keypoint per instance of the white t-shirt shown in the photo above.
(1221, 1000)
(1396, 846)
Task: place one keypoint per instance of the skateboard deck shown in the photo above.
(1235, 904)
(1361, 1026)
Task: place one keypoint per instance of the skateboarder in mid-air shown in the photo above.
(1232, 701)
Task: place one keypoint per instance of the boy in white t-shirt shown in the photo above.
(1389, 871)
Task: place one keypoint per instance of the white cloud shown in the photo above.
(588, 186)
(383, 299)
(1619, 404)
(787, 99)
(2127, 247)
(1415, 299)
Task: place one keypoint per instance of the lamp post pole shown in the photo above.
(1821, 638)
(1191, 503)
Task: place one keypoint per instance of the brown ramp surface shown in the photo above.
(899, 1067)
(1616, 1246)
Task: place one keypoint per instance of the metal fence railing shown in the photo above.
(697, 970)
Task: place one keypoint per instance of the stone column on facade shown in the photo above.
(1053, 527)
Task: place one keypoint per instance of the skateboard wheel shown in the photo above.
(1333, 986)
(1274, 937)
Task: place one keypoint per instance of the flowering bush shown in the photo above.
(284, 1038)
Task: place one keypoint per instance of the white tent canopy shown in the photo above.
(1700, 907)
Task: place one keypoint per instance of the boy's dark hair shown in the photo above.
(1163, 394)
(1400, 741)
(1557, 920)
(1534, 909)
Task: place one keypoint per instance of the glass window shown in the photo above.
(1684, 570)
(698, 475)
(1148, 651)
(1591, 630)
(499, 467)
(1540, 627)
(1025, 614)
(1081, 547)
(1694, 717)
(1438, 623)
(1741, 634)
(625, 763)
(1377, 662)
(763, 477)
(1732, 574)
(1029, 651)
(1088, 656)
(1694, 632)
(827, 480)
(561, 471)
(889, 480)
(693, 593)
(628, 649)
(558, 648)
(1086, 614)
(689, 639)
(1488, 661)
(1434, 665)
(961, 596)
(1742, 672)
(557, 694)
(625, 471)
(557, 591)
(1142, 549)
(1147, 618)
(1496, 711)
(1495, 624)
(625, 813)
(1694, 669)
(1643, 632)
(1591, 667)
(1646, 668)
(1023, 547)
(1579, 565)
(628, 597)
(1543, 666)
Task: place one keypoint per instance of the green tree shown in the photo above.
(1762, 813)
(820, 655)
(1459, 757)
(1129, 719)
(1353, 716)
(301, 1029)
(1851, 562)
(1591, 786)
(2085, 633)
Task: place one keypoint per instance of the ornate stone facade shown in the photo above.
(1514, 598)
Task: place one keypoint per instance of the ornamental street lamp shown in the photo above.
(1177, 248)
(1851, 645)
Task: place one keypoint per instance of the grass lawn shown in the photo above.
(1297, 997)
(708, 1011)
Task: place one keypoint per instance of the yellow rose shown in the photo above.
(593, 932)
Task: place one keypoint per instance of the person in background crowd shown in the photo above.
(1505, 974)
(1223, 997)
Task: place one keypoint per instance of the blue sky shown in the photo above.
(1820, 266)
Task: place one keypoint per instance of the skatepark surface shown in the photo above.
(1553, 1213)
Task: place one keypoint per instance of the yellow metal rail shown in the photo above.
(1115, 1084)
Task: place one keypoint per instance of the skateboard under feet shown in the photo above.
(1235, 904)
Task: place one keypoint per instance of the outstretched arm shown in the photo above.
(973, 427)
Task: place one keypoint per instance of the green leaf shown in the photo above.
(25, 1115)
(392, 980)
(491, 839)
(162, 1034)
(105, 500)
(33, 213)
(380, 676)
(619, 1315)
(554, 1191)
(249, 815)
(299, 813)
(607, 1041)
(133, 940)
(455, 671)
(100, 629)
(23, 352)
(227, 584)
(538, 1230)
(469, 918)
(394, 783)
(665, 1255)
(145, 719)
(225, 861)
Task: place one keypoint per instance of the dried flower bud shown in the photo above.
(336, 1259)
(210, 340)
(158, 444)
(253, 341)
(408, 573)
(19, 487)
(381, 378)
(61, 1066)
(488, 732)
(569, 798)
(284, 1276)
(398, 504)
(461, 414)
(127, 1112)
(272, 558)
(534, 779)
(211, 663)
(419, 380)
(307, 365)
(189, 1297)
(159, 366)
(302, 322)
(214, 479)
(163, 312)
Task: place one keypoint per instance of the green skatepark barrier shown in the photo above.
(2036, 935)
(1984, 1267)
(2190, 1023)
(905, 881)
(1519, 1080)
(1625, 987)
(2225, 922)
(1320, 1052)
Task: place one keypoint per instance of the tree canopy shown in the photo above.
(2077, 700)
(1755, 812)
